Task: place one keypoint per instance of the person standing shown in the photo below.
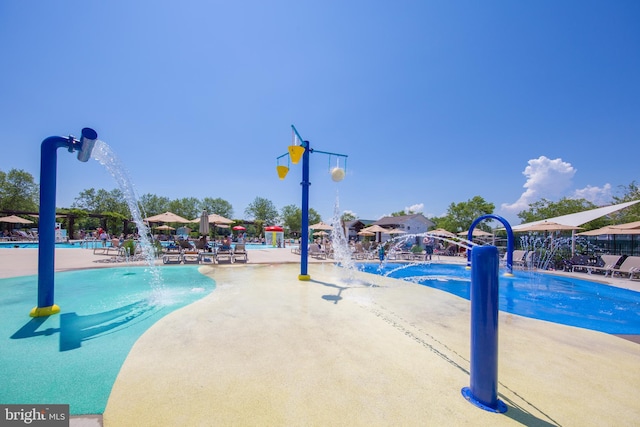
(428, 247)
(381, 253)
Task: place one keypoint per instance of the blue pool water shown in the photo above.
(9, 245)
(74, 357)
(557, 299)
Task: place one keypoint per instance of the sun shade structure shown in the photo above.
(441, 232)
(14, 219)
(547, 226)
(168, 217)
(320, 226)
(579, 218)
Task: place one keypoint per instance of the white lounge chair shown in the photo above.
(240, 253)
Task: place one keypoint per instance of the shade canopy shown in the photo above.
(203, 225)
(441, 232)
(366, 233)
(476, 233)
(396, 231)
(375, 229)
(14, 219)
(239, 228)
(547, 226)
(321, 226)
(168, 217)
(164, 227)
(612, 230)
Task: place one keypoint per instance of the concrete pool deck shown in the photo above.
(267, 349)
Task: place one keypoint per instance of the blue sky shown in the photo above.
(434, 102)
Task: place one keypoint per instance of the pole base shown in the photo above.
(304, 277)
(44, 311)
(500, 408)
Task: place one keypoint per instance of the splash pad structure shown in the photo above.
(301, 149)
(47, 232)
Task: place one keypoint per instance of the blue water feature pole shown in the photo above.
(47, 220)
(304, 232)
(510, 242)
(484, 330)
(337, 174)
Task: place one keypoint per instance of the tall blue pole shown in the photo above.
(47, 219)
(304, 233)
(484, 330)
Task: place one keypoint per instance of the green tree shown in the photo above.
(262, 209)
(150, 204)
(460, 216)
(187, 207)
(347, 216)
(630, 193)
(18, 191)
(218, 206)
(292, 217)
(111, 204)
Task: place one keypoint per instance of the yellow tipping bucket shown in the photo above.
(295, 152)
(282, 171)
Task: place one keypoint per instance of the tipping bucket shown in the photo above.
(295, 152)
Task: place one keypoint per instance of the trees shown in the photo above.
(460, 216)
(218, 206)
(262, 209)
(18, 191)
(632, 213)
(291, 216)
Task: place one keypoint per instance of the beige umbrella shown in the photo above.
(320, 233)
(628, 225)
(441, 232)
(218, 219)
(476, 233)
(375, 229)
(366, 233)
(547, 226)
(169, 217)
(610, 230)
(164, 227)
(396, 231)
(320, 226)
(14, 219)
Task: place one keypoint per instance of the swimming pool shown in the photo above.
(74, 357)
(34, 245)
(564, 300)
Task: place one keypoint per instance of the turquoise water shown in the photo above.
(74, 357)
(9, 245)
(558, 299)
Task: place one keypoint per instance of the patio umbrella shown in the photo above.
(366, 233)
(219, 219)
(610, 230)
(396, 231)
(441, 232)
(203, 227)
(14, 219)
(546, 226)
(168, 217)
(476, 233)
(164, 227)
(320, 233)
(375, 229)
(321, 226)
(239, 228)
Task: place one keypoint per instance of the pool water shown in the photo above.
(74, 357)
(564, 300)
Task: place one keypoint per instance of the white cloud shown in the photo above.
(597, 195)
(546, 178)
(417, 208)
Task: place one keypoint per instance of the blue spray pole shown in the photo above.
(47, 216)
(484, 330)
(304, 233)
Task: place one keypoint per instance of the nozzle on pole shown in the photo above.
(87, 141)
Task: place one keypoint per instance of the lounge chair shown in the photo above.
(191, 257)
(316, 251)
(224, 254)
(240, 253)
(576, 262)
(606, 264)
(629, 267)
(518, 258)
(172, 258)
